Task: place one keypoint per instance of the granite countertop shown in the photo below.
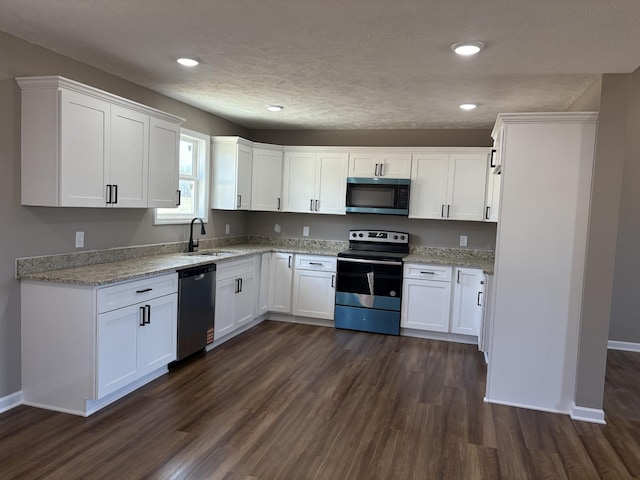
(105, 270)
(112, 272)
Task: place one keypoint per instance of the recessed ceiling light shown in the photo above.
(188, 61)
(467, 48)
(468, 106)
(274, 108)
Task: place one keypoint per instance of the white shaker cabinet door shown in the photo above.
(298, 192)
(314, 294)
(467, 183)
(164, 163)
(429, 178)
(84, 150)
(117, 348)
(466, 317)
(331, 181)
(157, 339)
(225, 306)
(280, 281)
(129, 166)
(426, 305)
(266, 183)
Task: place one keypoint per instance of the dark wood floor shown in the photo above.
(285, 401)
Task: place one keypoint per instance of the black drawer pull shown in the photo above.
(144, 290)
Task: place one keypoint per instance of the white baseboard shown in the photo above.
(585, 414)
(444, 336)
(626, 346)
(528, 407)
(10, 401)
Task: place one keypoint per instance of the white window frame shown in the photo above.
(168, 216)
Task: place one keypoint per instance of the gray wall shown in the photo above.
(28, 231)
(601, 240)
(377, 138)
(335, 227)
(625, 311)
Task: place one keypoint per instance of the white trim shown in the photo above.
(444, 336)
(626, 346)
(528, 407)
(10, 401)
(585, 414)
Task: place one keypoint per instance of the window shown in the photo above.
(194, 188)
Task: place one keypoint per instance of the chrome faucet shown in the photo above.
(193, 245)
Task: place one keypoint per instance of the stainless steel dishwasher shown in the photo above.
(196, 306)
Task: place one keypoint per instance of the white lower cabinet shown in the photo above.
(235, 295)
(426, 297)
(314, 283)
(86, 346)
(134, 341)
(263, 286)
(466, 317)
(280, 281)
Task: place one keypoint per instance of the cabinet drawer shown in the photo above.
(236, 268)
(130, 293)
(316, 262)
(427, 272)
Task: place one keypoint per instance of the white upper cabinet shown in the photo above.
(380, 164)
(129, 166)
(164, 164)
(231, 173)
(315, 181)
(449, 185)
(266, 183)
(83, 147)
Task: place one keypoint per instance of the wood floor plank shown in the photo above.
(289, 401)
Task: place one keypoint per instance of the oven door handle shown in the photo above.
(364, 260)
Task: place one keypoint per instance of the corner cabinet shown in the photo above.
(83, 147)
(266, 178)
(449, 185)
(231, 173)
(84, 347)
(314, 181)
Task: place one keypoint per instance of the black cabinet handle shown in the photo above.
(290, 260)
(109, 194)
(239, 201)
(311, 205)
(179, 197)
(492, 160)
(278, 203)
(442, 211)
(144, 290)
(479, 293)
(316, 263)
(316, 205)
(148, 307)
(448, 207)
(240, 283)
(115, 188)
(142, 316)
(381, 169)
(458, 280)
(376, 172)
(237, 289)
(486, 213)
(333, 281)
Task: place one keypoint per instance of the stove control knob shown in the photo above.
(361, 235)
(354, 234)
(402, 237)
(395, 237)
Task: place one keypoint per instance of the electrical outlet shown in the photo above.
(463, 240)
(277, 228)
(79, 239)
(227, 229)
(305, 231)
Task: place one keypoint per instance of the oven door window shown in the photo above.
(369, 279)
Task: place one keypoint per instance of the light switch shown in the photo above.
(305, 231)
(79, 239)
(463, 240)
(227, 229)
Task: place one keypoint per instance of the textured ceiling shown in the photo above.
(343, 64)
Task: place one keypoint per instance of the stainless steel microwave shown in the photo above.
(388, 196)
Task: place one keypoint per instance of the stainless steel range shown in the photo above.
(369, 281)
